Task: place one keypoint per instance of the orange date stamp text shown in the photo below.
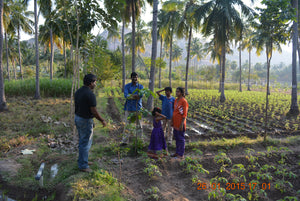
(234, 186)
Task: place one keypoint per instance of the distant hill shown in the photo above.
(285, 56)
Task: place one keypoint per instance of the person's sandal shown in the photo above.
(174, 155)
(88, 170)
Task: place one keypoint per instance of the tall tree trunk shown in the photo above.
(220, 79)
(249, 71)
(14, 67)
(37, 69)
(170, 62)
(7, 57)
(268, 52)
(187, 61)
(3, 105)
(51, 54)
(65, 59)
(160, 55)
(240, 64)
(153, 54)
(133, 35)
(71, 52)
(75, 68)
(222, 97)
(268, 77)
(123, 56)
(19, 49)
(294, 110)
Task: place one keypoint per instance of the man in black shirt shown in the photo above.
(85, 111)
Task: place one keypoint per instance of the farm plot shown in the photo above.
(242, 113)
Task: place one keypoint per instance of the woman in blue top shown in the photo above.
(167, 110)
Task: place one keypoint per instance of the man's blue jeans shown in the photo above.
(85, 132)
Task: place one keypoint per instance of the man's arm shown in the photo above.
(158, 92)
(97, 115)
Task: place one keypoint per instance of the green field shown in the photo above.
(226, 156)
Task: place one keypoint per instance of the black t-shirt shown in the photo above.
(84, 99)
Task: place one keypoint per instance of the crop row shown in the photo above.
(244, 110)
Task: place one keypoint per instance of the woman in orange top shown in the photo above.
(179, 121)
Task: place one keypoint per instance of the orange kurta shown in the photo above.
(180, 112)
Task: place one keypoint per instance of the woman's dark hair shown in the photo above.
(168, 89)
(156, 109)
(133, 74)
(88, 79)
(181, 91)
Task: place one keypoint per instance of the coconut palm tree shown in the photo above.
(49, 35)
(221, 19)
(37, 69)
(20, 20)
(248, 44)
(62, 20)
(197, 52)
(142, 36)
(185, 29)
(153, 52)
(46, 10)
(170, 17)
(12, 51)
(177, 53)
(37, 94)
(3, 105)
(133, 8)
(294, 110)
(6, 21)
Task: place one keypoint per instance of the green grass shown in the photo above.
(100, 185)
(223, 143)
(48, 88)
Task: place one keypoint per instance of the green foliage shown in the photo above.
(88, 187)
(152, 193)
(221, 158)
(100, 61)
(193, 164)
(289, 198)
(238, 172)
(217, 194)
(137, 146)
(151, 168)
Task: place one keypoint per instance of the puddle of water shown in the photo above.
(201, 125)
(196, 131)
(54, 170)
(4, 197)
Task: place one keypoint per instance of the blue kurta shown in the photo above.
(130, 105)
